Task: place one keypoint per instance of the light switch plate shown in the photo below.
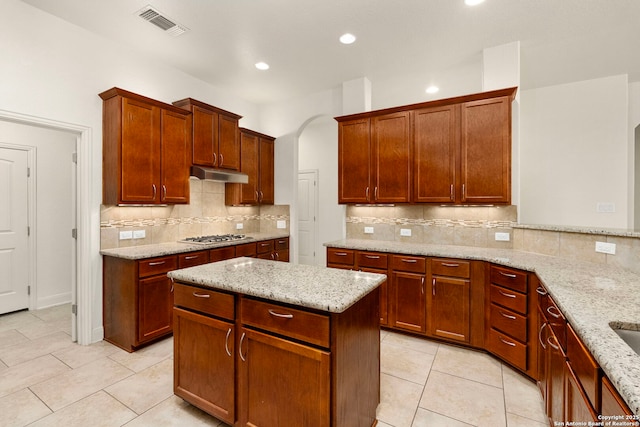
(139, 234)
(126, 235)
(405, 232)
(239, 226)
(502, 237)
(606, 248)
(368, 230)
(281, 224)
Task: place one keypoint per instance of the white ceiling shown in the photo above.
(561, 40)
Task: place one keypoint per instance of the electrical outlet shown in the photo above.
(502, 237)
(605, 207)
(126, 235)
(606, 248)
(405, 232)
(368, 230)
(139, 234)
(281, 224)
(239, 226)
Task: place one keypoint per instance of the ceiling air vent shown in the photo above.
(157, 18)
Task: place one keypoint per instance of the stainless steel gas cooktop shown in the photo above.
(205, 240)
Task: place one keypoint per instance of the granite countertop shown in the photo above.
(321, 288)
(172, 248)
(618, 232)
(591, 296)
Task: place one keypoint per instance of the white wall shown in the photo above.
(573, 153)
(54, 70)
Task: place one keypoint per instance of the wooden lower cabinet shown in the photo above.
(577, 408)
(611, 402)
(407, 299)
(155, 302)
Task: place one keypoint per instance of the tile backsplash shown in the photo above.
(205, 214)
(455, 225)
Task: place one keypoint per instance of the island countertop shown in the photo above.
(315, 287)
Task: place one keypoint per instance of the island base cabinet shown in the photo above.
(271, 399)
(204, 363)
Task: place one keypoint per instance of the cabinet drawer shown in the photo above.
(584, 366)
(507, 277)
(280, 244)
(372, 260)
(193, 258)
(153, 266)
(246, 249)
(265, 247)
(509, 322)
(508, 298)
(450, 267)
(340, 256)
(302, 325)
(408, 263)
(506, 347)
(556, 320)
(220, 254)
(206, 301)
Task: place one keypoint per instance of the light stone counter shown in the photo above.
(172, 248)
(619, 232)
(321, 288)
(592, 296)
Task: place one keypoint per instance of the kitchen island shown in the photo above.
(267, 344)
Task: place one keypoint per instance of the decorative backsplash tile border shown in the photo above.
(432, 222)
(156, 222)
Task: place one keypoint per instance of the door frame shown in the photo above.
(81, 296)
(316, 211)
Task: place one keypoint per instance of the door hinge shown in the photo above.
(28, 172)
(74, 157)
(74, 233)
(28, 231)
(28, 290)
(74, 309)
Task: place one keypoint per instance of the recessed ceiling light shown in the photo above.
(262, 66)
(432, 89)
(473, 2)
(347, 38)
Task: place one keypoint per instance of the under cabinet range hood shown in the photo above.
(220, 175)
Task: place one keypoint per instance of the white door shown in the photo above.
(14, 243)
(307, 216)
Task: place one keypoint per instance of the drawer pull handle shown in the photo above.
(197, 295)
(282, 242)
(226, 343)
(510, 276)
(372, 256)
(540, 290)
(187, 258)
(240, 347)
(410, 261)
(340, 253)
(264, 244)
(153, 264)
(553, 346)
(282, 315)
(544, 325)
(446, 264)
(504, 294)
(508, 316)
(507, 342)
(556, 315)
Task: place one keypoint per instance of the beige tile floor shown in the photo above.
(46, 380)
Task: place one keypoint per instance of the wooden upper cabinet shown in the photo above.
(485, 147)
(391, 154)
(354, 161)
(215, 135)
(257, 153)
(146, 150)
(436, 141)
(455, 150)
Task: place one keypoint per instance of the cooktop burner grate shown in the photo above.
(203, 240)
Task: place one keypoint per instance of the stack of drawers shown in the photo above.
(507, 334)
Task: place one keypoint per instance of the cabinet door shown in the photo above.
(541, 354)
(354, 162)
(576, 403)
(140, 180)
(155, 304)
(384, 296)
(436, 138)
(205, 136)
(204, 368)
(266, 188)
(282, 382)
(229, 147)
(486, 151)
(250, 148)
(556, 361)
(176, 157)
(391, 153)
(448, 308)
(408, 301)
